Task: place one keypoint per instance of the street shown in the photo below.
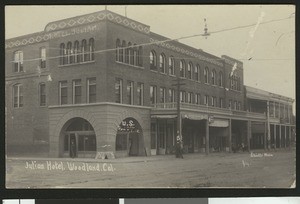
(271, 169)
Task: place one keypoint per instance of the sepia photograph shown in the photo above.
(150, 96)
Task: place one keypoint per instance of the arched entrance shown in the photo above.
(129, 138)
(79, 138)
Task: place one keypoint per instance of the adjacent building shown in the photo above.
(102, 82)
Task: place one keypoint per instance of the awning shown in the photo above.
(164, 116)
(219, 123)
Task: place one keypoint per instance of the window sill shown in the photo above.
(76, 64)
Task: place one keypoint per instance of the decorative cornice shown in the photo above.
(54, 29)
(187, 52)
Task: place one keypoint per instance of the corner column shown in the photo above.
(207, 137)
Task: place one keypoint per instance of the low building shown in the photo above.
(102, 82)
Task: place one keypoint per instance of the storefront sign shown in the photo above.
(219, 123)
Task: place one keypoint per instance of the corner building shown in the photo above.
(103, 83)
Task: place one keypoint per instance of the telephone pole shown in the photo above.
(178, 85)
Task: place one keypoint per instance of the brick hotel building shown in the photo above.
(103, 83)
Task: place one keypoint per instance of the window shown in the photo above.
(91, 49)
(18, 61)
(124, 51)
(239, 106)
(130, 92)
(206, 75)
(171, 65)
(235, 105)
(182, 96)
(189, 70)
(197, 72)
(129, 54)
(76, 52)
(140, 56)
(213, 77)
(206, 100)
(135, 56)
(162, 63)
(91, 91)
(118, 90)
(153, 61)
(197, 99)
(140, 91)
(221, 79)
(153, 94)
(213, 101)
(63, 93)
(18, 95)
(119, 57)
(182, 68)
(43, 57)
(76, 91)
(189, 97)
(69, 53)
(42, 90)
(221, 101)
(230, 104)
(84, 52)
(171, 95)
(63, 53)
(162, 95)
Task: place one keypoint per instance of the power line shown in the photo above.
(168, 40)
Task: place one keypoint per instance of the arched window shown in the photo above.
(140, 56)
(171, 65)
(135, 55)
(189, 70)
(130, 54)
(221, 79)
(182, 68)
(197, 73)
(91, 49)
(84, 52)
(18, 61)
(206, 71)
(213, 77)
(153, 61)
(162, 63)
(18, 95)
(123, 51)
(118, 49)
(62, 54)
(69, 53)
(76, 51)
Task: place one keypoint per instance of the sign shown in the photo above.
(128, 126)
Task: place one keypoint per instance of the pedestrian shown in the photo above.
(178, 148)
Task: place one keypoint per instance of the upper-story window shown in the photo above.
(91, 49)
(189, 70)
(129, 54)
(162, 95)
(63, 92)
(43, 57)
(118, 90)
(182, 96)
(42, 94)
(140, 56)
(206, 71)
(221, 79)
(130, 92)
(18, 95)
(213, 77)
(189, 97)
(76, 52)
(77, 91)
(221, 101)
(140, 93)
(153, 94)
(182, 68)
(63, 53)
(197, 99)
(206, 100)
(171, 95)
(213, 101)
(119, 57)
(162, 63)
(69, 53)
(153, 61)
(84, 52)
(91, 90)
(135, 56)
(171, 65)
(197, 73)
(18, 61)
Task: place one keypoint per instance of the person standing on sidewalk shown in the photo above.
(178, 147)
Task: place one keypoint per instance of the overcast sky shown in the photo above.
(267, 50)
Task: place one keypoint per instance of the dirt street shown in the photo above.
(264, 169)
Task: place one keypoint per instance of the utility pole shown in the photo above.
(178, 84)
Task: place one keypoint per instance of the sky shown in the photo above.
(267, 50)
